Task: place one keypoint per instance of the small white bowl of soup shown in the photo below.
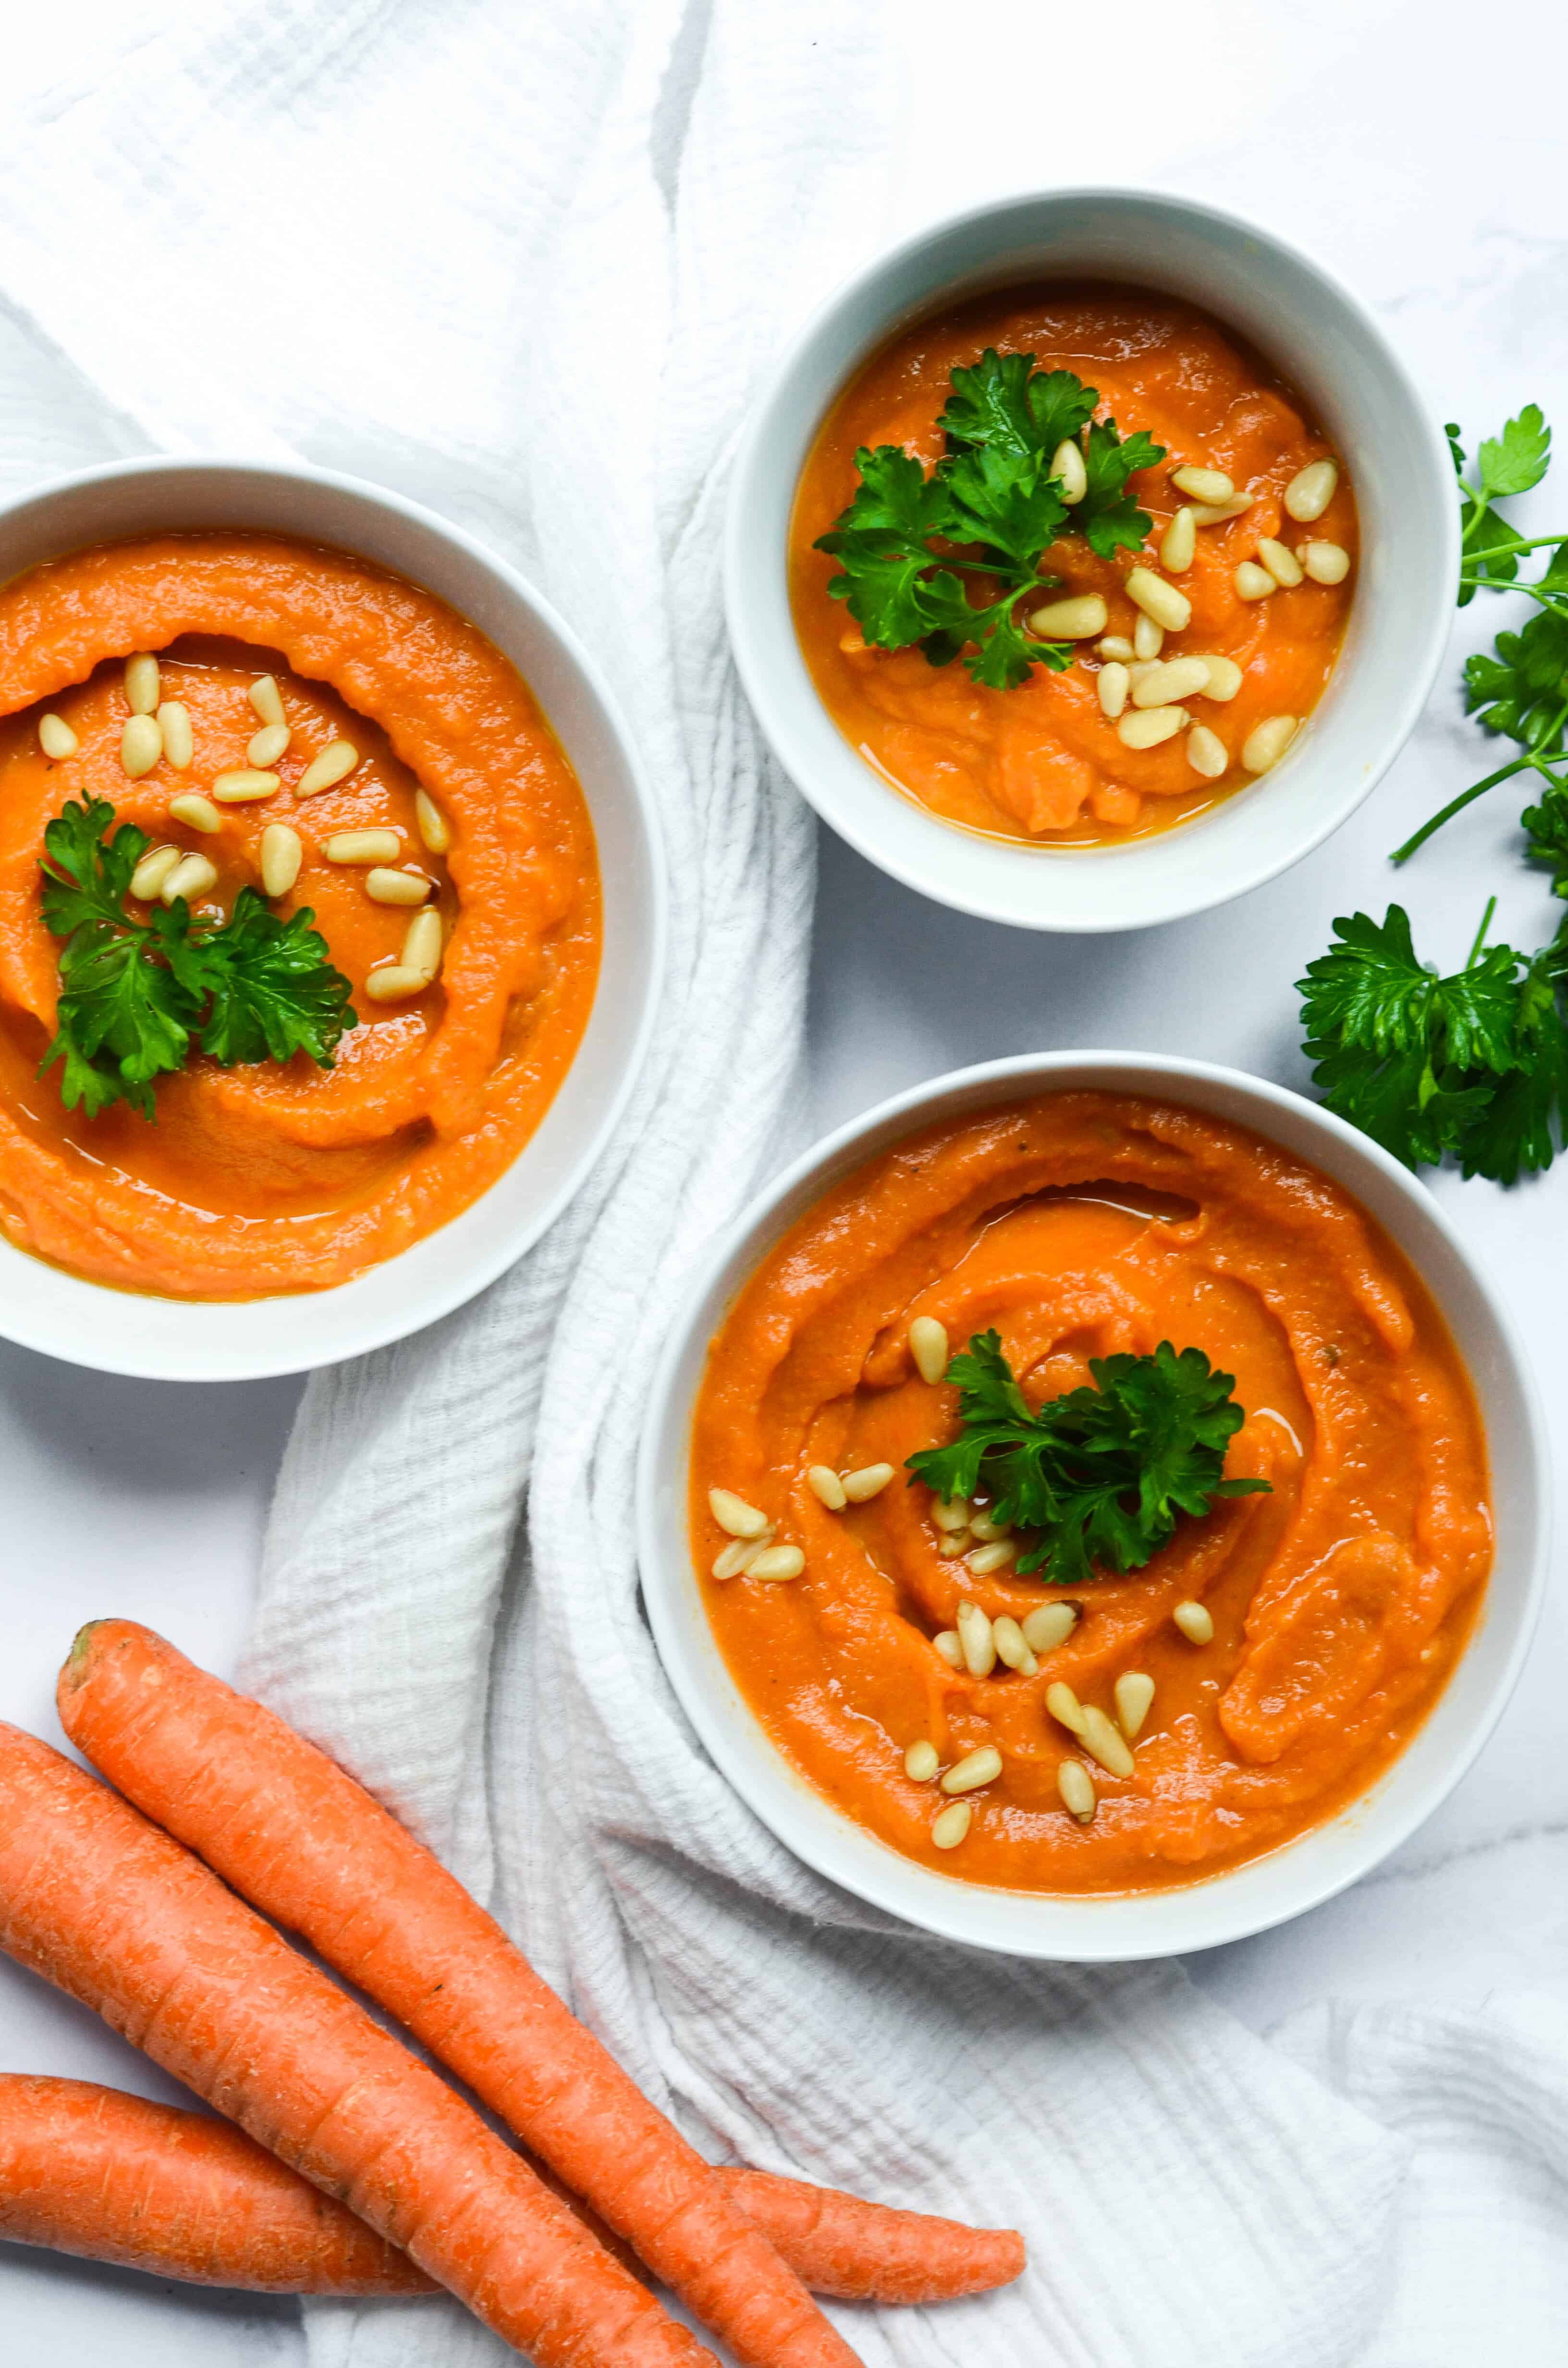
(311, 698)
(1290, 1683)
(1228, 690)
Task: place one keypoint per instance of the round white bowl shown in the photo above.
(1319, 336)
(1227, 1906)
(172, 1339)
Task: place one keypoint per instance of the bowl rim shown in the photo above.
(802, 1817)
(473, 1276)
(750, 644)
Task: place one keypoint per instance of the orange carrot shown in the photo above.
(863, 2253)
(102, 1905)
(295, 1835)
(112, 2178)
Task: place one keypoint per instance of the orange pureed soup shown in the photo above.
(273, 1176)
(1081, 1225)
(1045, 761)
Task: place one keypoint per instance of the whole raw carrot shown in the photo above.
(112, 2178)
(113, 1912)
(290, 1831)
(862, 2252)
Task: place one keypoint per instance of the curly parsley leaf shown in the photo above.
(274, 991)
(1098, 1476)
(1004, 401)
(1546, 834)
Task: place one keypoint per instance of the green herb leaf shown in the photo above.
(1517, 1127)
(1546, 833)
(1004, 401)
(1518, 458)
(1108, 517)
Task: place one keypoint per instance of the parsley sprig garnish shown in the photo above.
(911, 547)
(1096, 1477)
(139, 997)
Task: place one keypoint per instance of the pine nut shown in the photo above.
(141, 683)
(945, 1642)
(731, 1560)
(1178, 545)
(196, 812)
(1204, 485)
(394, 982)
(776, 1562)
(174, 723)
(1252, 582)
(985, 1559)
(1076, 1787)
(1076, 620)
(385, 887)
(1171, 610)
(434, 828)
(929, 1347)
(1113, 685)
(1106, 1743)
(1325, 563)
(361, 846)
(1145, 727)
(1147, 638)
(283, 852)
(1171, 680)
(245, 787)
(1224, 678)
(333, 764)
(921, 1762)
(976, 1638)
(734, 1514)
(1196, 1622)
(1116, 647)
(949, 1828)
(1267, 742)
(1142, 666)
(1067, 467)
(1206, 753)
(869, 1482)
(56, 738)
(977, 1768)
(268, 746)
(982, 1527)
(953, 1542)
(950, 1514)
(1012, 1647)
(826, 1486)
(153, 871)
(1281, 562)
(1310, 490)
(1218, 513)
(422, 944)
(266, 699)
(191, 876)
(1050, 1624)
(1063, 1705)
(1134, 1693)
(141, 746)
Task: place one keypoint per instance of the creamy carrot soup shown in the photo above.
(1263, 574)
(1267, 1664)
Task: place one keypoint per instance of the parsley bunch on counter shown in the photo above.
(911, 547)
(1098, 1476)
(139, 997)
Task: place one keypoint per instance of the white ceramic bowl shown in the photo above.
(1249, 1899)
(170, 1339)
(1312, 330)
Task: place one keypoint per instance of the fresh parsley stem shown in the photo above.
(1469, 960)
(1457, 805)
(1538, 543)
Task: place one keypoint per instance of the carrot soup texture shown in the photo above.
(1049, 760)
(283, 1177)
(1317, 1624)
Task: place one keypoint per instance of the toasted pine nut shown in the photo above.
(1134, 1693)
(921, 1762)
(1147, 638)
(1267, 741)
(1067, 468)
(245, 787)
(734, 1514)
(1310, 490)
(283, 852)
(1077, 620)
(1252, 582)
(977, 1768)
(1141, 666)
(1196, 1622)
(141, 683)
(982, 1527)
(196, 812)
(996, 1557)
(1170, 680)
(1171, 610)
(56, 738)
(776, 1562)
(1204, 485)
(422, 944)
(1224, 678)
(153, 871)
(266, 699)
(268, 744)
(434, 828)
(1178, 545)
(1012, 1647)
(954, 1541)
(826, 1486)
(948, 1828)
(1206, 753)
(1050, 1624)
(1116, 646)
(385, 887)
(1325, 563)
(1281, 562)
(951, 1515)
(394, 982)
(945, 1642)
(192, 876)
(141, 746)
(1113, 685)
(929, 1347)
(361, 847)
(1216, 513)
(174, 723)
(1076, 1787)
(869, 1482)
(332, 765)
(1106, 1742)
(732, 1559)
(1145, 727)
(976, 1638)
(1063, 1704)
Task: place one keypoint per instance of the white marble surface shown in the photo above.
(1369, 133)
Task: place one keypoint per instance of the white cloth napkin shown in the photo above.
(527, 263)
